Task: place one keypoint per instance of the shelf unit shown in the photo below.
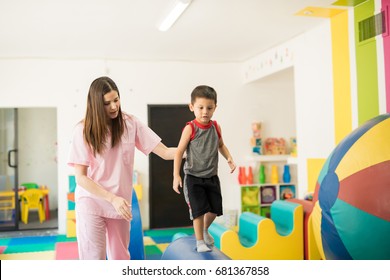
(272, 158)
(258, 197)
(7, 206)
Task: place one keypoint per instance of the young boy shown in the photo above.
(201, 139)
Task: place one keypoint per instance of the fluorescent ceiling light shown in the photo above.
(176, 11)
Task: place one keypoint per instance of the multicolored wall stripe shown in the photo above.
(366, 67)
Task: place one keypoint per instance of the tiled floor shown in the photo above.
(156, 241)
(43, 246)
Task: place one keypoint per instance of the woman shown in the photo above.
(102, 154)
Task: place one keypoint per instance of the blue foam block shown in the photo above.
(136, 246)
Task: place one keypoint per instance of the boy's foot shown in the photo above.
(201, 247)
(208, 239)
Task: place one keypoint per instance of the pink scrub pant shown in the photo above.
(99, 237)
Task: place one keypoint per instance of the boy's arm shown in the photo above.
(181, 148)
(225, 152)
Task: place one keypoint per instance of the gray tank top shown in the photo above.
(202, 150)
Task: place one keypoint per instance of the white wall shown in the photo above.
(314, 98)
(272, 101)
(63, 84)
(310, 57)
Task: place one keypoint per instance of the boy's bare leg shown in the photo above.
(208, 220)
(198, 229)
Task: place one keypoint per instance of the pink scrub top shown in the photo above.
(113, 169)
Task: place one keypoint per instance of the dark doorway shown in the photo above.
(167, 208)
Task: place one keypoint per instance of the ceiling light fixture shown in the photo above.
(308, 12)
(174, 13)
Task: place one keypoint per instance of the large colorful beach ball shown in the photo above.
(351, 215)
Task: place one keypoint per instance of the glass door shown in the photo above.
(9, 202)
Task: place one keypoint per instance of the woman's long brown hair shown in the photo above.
(96, 122)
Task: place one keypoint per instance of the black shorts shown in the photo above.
(203, 195)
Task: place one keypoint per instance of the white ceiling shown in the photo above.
(208, 31)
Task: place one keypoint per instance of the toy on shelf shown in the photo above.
(274, 174)
(268, 194)
(286, 174)
(262, 174)
(249, 177)
(256, 141)
(293, 146)
(245, 178)
(287, 192)
(275, 146)
(241, 175)
(309, 196)
(250, 196)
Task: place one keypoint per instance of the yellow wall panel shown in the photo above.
(314, 166)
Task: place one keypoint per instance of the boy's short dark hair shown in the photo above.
(203, 92)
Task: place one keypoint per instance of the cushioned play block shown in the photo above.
(71, 205)
(72, 183)
(184, 248)
(311, 251)
(70, 223)
(71, 201)
(260, 238)
(138, 190)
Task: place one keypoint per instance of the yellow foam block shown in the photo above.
(269, 245)
(138, 191)
(71, 214)
(70, 228)
(71, 223)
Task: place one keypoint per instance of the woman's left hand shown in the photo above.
(122, 207)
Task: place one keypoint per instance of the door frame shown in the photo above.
(13, 153)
